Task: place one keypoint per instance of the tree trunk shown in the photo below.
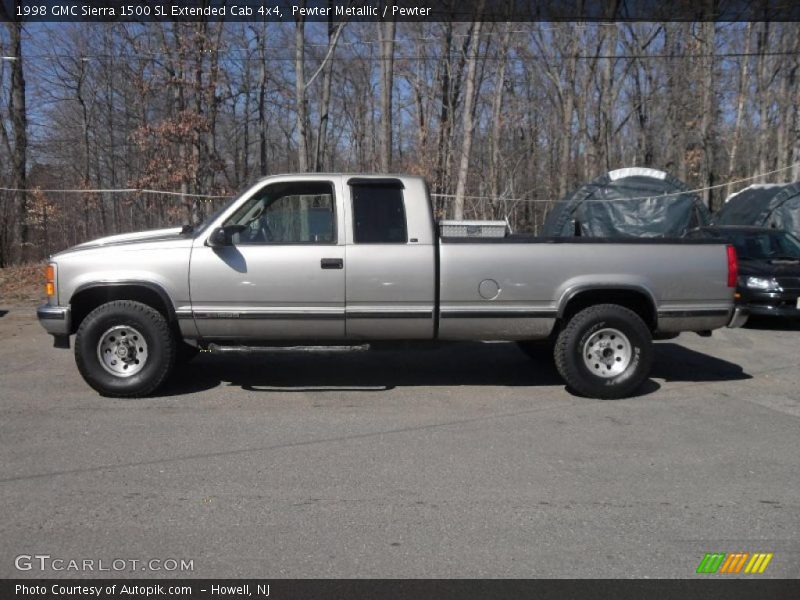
(386, 31)
(786, 107)
(709, 110)
(110, 126)
(301, 100)
(606, 102)
(795, 172)
(497, 123)
(262, 106)
(19, 127)
(606, 108)
(444, 111)
(320, 143)
(762, 98)
(86, 169)
(468, 120)
(568, 100)
(741, 99)
(451, 92)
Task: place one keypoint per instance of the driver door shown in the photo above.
(283, 277)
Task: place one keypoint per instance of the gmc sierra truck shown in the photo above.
(332, 260)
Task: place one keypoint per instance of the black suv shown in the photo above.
(769, 267)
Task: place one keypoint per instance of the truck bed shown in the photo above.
(517, 286)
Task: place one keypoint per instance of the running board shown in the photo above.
(216, 348)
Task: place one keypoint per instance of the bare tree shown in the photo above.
(19, 128)
(496, 133)
(708, 33)
(787, 109)
(561, 74)
(468, 115)
(320, 142)
(302, 84)
(741, 100)
(523, 111)
(301, 100)
(762, 91)
(450, 80)
(386, 31)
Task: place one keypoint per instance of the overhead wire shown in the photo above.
(521, 198)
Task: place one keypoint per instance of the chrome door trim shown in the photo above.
(359, 313)
(497, 313)
(303, 314)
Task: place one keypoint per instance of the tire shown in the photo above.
(125, 349)
(604, 351)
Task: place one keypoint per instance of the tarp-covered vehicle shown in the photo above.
(765, 205)
(631, 202)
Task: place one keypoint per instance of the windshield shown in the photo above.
(766, 245)
(207, 221)
(210, 218)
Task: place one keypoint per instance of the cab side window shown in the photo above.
(288, 213)
(379, 215)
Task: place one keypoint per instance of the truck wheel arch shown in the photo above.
(634, 298)
(89, 296)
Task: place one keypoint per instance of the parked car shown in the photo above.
(329, 260)
(769, 268)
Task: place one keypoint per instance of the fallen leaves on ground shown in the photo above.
(22, 284)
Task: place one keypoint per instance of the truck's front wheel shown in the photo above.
(605, 351)
(124, 349)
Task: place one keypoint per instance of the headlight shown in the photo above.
(765, 284)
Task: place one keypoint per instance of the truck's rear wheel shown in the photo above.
(124, 349)
(605, 351)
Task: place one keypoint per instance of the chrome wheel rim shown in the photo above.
(122, 351)
(607, 352)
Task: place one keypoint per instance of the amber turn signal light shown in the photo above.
(50, 280)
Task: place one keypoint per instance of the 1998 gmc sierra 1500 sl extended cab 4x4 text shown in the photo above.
(331, 259)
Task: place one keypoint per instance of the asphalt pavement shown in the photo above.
(466, 461)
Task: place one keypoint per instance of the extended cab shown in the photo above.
(331, 259)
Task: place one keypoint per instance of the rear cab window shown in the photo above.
(379, 215)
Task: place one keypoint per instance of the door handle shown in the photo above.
(332, 263)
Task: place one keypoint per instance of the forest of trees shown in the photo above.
(503, 119)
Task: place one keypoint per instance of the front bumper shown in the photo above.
(766, 310)
(56, 320)
(771, 304)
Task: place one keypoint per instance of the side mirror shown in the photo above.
(223, 236)
(217, 238)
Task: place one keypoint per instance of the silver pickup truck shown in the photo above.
(345, 260)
